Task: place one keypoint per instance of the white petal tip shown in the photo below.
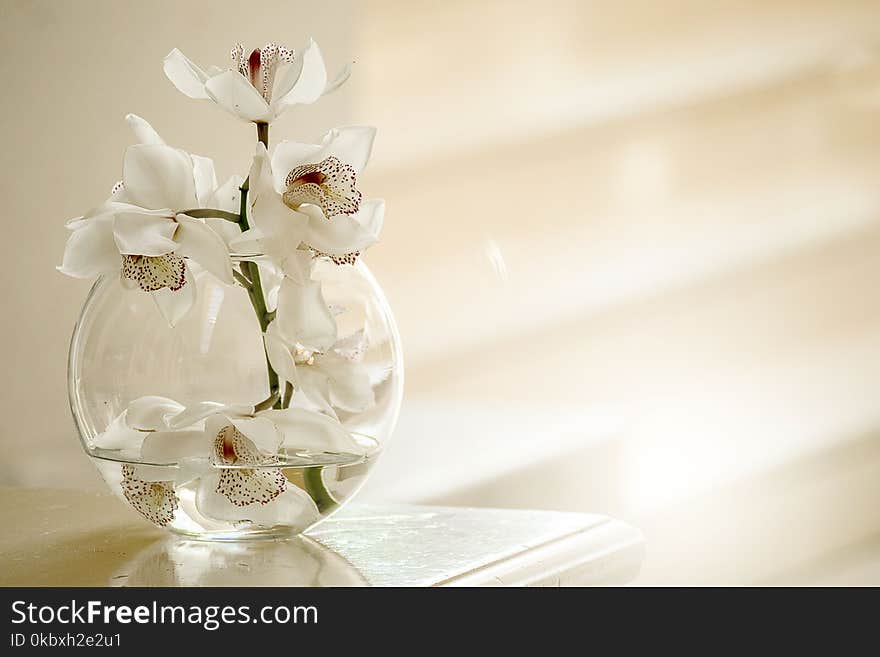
(185, 75)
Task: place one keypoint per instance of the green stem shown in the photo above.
(312, 478)
(212, 213)
(269, 402)
(288, 395)
(244, 280)
(252, 273)
(315, 487)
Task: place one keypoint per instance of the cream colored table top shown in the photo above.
(64, 538)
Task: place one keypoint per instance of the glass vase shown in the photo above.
(123, 350)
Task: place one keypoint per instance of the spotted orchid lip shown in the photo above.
(329, 184)
(153, 273)
(349, 258)
(244, 486)
(154, 500)
(261, 65)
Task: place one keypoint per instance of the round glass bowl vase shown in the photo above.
(126, 362)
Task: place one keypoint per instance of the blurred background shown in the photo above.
(631, 247)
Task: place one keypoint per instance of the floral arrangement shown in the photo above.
(168, 223)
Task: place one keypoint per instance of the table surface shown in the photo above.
(68, 538)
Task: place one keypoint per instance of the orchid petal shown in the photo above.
(353, 347)
(305, 83)
(143, 131)
(303, 316)
(335, 194)
(298, 266)
(90, 249)
(293, 508)
(284, 229)
(174, 446)
(271, 275)
(279, 355)
(157, 176)
(203, 245)
(351, 144)
(205, 179)
(260, 431)
(248, 243)
(151, 413)
(119, 436)
(316, 387)
(307, 430)
(186, 76)
(348, 383)
(227, 197)
(228, 231)
(234, 93)
(144, 234)
(280, 229)
(372, 216)
(343, 234)
(174, 305)
(155, 500)
(152, 273)
(287, 156)
(195, 413)
(115, 206)
(260, 171)
(254, 480)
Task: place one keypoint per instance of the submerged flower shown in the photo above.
(154, 500)
(306, 197)
(242, 485)
(143, 232)
(303, 347)
(303, 316)
(332, 379)
(263, 83)
(232, 454)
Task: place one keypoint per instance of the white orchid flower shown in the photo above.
(324, 174)
(231, 451)
(306, 196)
(303, 349)
(262, 85)
(274, 231)
(143, 230)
